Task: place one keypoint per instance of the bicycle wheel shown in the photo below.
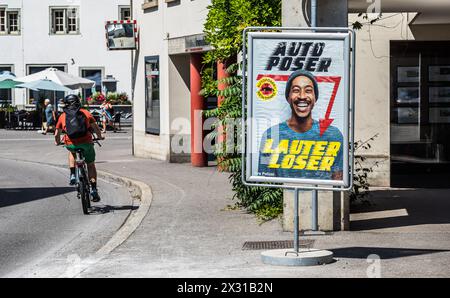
(84, 191)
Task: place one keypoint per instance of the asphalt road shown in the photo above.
(43, 230)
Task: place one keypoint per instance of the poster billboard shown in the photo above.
(121, 35)
(298, 95)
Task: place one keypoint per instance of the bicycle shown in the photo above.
(82, 183)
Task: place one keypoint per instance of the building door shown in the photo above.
(420, 114)
(152, 100)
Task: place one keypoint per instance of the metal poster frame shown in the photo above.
(320, 33)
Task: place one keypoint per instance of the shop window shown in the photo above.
(420, 114)
(94, 74)
(152, 95)
(38, 97)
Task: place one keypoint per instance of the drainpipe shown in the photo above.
(132, 86)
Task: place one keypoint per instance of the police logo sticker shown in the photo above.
(267, 89)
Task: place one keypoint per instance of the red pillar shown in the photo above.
(198, 155)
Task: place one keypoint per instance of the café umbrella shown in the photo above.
(8, 84)
(7, 80)
(45, 84)
(59, 77)
(7, 75)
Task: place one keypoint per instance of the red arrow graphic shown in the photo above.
(325, 123)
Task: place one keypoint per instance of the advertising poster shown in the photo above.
(298, 108)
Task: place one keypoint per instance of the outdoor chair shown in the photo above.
(21, 119)
(12, 120)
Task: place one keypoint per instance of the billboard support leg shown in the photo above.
(297, 257)
(296, 224)
(314, 211)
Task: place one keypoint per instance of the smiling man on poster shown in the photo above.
(299, 147)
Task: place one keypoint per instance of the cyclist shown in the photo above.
(79, 124)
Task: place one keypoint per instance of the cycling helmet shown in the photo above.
(72, 100)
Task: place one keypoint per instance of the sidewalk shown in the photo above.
(187, 233)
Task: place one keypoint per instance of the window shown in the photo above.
(150, 4)
(64, 20)
(72, 20)
(152, 103)
(94, 74)
(5, 94)
(9, 21)
(13, 21)
(125, 13)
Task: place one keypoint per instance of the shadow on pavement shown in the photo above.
(423, 206)
(15, 196)
(382, 252)
(108, 208)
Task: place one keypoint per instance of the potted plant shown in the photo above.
(123, 98)
(96, 98)
(113, 98)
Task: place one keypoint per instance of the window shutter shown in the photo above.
(53, 21)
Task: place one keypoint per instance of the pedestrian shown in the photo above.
(107, 112)
(50, 117)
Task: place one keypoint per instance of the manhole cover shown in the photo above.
(259, 245)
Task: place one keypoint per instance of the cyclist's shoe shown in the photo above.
(73, 179)
(95, 196)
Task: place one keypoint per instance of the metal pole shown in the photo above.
(296, 194)
(313, 13)
(314, 211)
(314, 203)
(132, 86)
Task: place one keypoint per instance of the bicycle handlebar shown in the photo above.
(96, 141)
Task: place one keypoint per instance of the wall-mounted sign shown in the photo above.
(298, 91)
(196, 43)
(121, 35)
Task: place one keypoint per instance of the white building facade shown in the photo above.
(66, 34)
(170, 34)
(402, 86)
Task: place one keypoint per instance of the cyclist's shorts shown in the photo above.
(89, 152)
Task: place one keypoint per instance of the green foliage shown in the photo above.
(8, 108)
(228, 18)
(209, 85)
(361, 184)
(224, 25)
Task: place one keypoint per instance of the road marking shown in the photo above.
(378, 214)
(116, 161)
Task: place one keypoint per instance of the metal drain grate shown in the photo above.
(259, 245)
